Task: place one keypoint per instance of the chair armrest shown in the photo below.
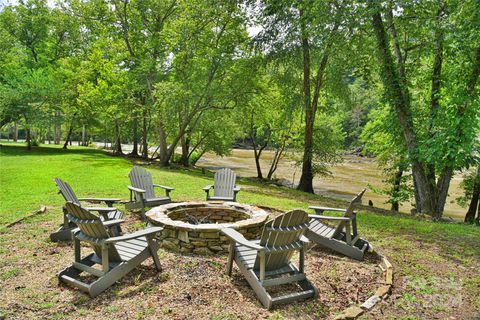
(111, 200)
(236, 189)
(136, 189)
(207, 188)
(316, 216)
(327, 209)
(101, 209)
(304, 239)
(113, 222)
(237, 237)
(163, 187)
(134, 235)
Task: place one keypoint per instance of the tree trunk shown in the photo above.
(164, 156)
(397, 180)
(118, 140)
(83, 135)
(69, 134)
(29, 139)
(59, 135)
(194, 162)
(306, 179)
(135, 136)
(185, 142)
(474, 203)
(397, 93)
(276, 159)
(144, 134)
(257, 154)
(105, 135)
(15, 132)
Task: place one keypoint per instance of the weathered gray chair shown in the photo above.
(116, 255)
(64, 233)
(142, 193)
(343, 238)
(224, 187)
(266, 262)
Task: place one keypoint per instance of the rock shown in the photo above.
(203, 251)
(209, 235)
(352, 312)
(183, 236)
(169, 233)
(215, 248)
(170, 246)
(185, 250)
(199, 243)
(371, 302)
(382, 291)
(389, 276)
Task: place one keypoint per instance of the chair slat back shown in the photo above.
(224, 182)
(92, 229)
(142, 179)
(66, 191)
(282, 233)
(349, 212)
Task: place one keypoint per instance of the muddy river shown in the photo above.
(347, 178)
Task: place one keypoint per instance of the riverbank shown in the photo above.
(346, 179)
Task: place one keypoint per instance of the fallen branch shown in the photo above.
(43, 209)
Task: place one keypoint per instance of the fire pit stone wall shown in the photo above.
(194, 227)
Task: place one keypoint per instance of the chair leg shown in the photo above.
(231, 253)
(301, 263)
(142, 212)
(152, 248)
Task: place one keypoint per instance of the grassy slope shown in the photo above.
(428, 256)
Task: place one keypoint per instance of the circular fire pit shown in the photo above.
(194, 227)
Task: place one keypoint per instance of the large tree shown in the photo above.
(433, 91)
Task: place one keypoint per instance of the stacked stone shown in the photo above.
(205, 239)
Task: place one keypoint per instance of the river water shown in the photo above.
(347, 178)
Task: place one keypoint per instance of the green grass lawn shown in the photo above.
(427, 257)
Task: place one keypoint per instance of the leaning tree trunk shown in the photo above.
(397, 93)
(274, 164)
(472, 208)
(69, 135)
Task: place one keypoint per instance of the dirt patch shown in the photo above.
(190, 285)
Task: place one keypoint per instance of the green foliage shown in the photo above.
(328, 142)
(467, 184)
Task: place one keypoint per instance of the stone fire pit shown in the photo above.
(194, 227)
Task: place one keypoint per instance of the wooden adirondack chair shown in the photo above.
(343, 238)
(266, 262)
(64, 233)
(116, 255)
(142, 193)
(224, 187)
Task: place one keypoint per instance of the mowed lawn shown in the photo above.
(436, 265)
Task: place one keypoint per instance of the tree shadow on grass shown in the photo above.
(8, 150)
